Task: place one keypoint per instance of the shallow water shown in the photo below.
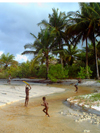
(16, 118)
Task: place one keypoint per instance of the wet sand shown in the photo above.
(16, 118)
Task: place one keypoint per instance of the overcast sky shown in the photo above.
(18, 20)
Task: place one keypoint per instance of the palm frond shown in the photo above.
(28, 52)
(28, 45)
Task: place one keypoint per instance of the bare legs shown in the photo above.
(26, 101)
(45, 110)
(76, 88)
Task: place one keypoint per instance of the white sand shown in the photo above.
(90, 83)
(16, 91)
(95, 105)
(13, 93)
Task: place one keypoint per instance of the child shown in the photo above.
(27, 94)
(79, 81)
(9, 79)
(45, 110)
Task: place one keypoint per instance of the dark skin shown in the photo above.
(9, 79)
(76, 88)
(79, 81)
(27, 94)
(45, 110)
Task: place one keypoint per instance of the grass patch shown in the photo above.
(88, 99)
(98, 81)
(95, 97)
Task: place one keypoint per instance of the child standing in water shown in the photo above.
(45, 110)
(9, 79)
(76, 85)
(27, 94)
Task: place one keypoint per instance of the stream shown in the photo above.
(16, 118)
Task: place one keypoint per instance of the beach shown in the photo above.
(16, 118)
(15, 91)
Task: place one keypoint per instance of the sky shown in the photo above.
(19, 19)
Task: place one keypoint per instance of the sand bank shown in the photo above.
(16, 91)
(13, 93)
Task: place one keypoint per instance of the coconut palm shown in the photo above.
(86, 25)
(7, 59)
(82, 55)
(92, 10)
(78, 29)
(70, 54)
(57, 23)
(42, 47)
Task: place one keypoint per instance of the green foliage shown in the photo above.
(95, 97)
(53, 79)
(34, 71)
(72, 70)
(83, 74)
(57, 72)
(41, 72)
(3, 75)
(25, 70)
(7, 59)
(20, 71)
(14, 71)
(98, 81)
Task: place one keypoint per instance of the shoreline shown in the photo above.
(80, 108)
(17, 87)
(14, 92)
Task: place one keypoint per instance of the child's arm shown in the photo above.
(42, 105)
(30, 87)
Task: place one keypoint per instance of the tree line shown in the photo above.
(56, 51)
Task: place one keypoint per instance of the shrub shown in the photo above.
(72, 70)
(82, 74)
(3, 75)
(41, 72)
(57, 72)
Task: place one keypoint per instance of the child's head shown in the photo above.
(44, 98)
(26, 88)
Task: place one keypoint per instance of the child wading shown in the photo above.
(76, 85)
(27, 94)
(45, 110)
(9, 79)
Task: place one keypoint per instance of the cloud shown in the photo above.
(1, 52)
(18, 20)
(21, 58)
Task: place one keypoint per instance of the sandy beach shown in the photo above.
(16, 118)
(15, 91)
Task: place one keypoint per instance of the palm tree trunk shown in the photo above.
(87, 60)
(47, 66)
(61, 59)
(96, 62)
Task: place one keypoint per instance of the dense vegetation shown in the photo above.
(55, 49)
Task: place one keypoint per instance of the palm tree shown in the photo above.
(70, 54)
(85, 25)
(57, 23)
(78, 29)
(92, 12)
(82, 55)
(42, 47)
(7, 59)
